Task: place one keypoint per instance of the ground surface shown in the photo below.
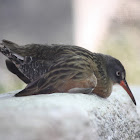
(63, 116)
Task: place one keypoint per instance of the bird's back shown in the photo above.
(38, 59)
(45, 51)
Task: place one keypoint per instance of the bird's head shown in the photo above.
(117, 74)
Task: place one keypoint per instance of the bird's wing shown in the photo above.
(64, 76)
(32, 60)
(67, 65)
(44, 86)
(26, 68)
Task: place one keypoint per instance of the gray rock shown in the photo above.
(63, 116)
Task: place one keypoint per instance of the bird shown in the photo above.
(59, 68)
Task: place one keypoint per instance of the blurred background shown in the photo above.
(106, 26)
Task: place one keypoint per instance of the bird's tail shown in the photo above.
(14, 62)
(9, 44)
(9, 54)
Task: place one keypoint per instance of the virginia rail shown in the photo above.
(63, 68)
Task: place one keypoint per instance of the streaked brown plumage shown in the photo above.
(63, 68)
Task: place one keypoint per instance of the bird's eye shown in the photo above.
(118, 73)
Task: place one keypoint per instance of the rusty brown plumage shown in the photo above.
(62, 68)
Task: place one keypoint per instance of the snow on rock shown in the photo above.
(63, 116)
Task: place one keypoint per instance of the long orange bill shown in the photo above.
(124, 84)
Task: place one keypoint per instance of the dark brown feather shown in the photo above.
(57, 68)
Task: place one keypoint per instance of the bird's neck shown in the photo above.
(104, 83)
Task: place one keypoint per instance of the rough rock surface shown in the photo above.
(63, 116)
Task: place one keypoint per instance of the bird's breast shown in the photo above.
(102, 89)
